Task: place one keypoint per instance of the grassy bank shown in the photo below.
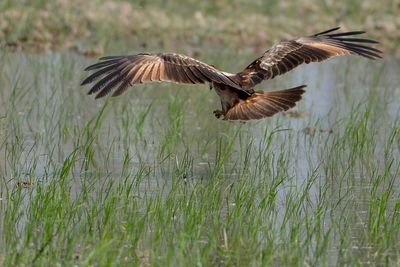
(100, 26)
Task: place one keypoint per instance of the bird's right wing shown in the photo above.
(120, 72)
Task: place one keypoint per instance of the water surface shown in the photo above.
(168, 131)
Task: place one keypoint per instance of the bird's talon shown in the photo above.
(218, 113)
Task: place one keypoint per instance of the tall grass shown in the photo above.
(154, 179)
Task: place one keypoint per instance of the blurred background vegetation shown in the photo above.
(99, 26)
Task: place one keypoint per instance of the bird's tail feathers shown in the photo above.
(265, 104)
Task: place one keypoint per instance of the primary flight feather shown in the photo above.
(238, 99)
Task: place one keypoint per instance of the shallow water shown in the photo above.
(47, 93)
(160, 127)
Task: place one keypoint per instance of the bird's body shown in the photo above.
(239, 100)
(229, 97)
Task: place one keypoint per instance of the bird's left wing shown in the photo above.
(287, 55)
(120, 72)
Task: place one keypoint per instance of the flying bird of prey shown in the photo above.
(239, 100)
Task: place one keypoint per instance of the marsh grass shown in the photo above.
(153, 179)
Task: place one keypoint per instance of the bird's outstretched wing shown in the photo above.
(287, 55)
(120, 72)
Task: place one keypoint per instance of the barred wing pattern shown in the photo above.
(287, 55)
(120, 72)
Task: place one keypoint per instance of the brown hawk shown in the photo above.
(239, 100)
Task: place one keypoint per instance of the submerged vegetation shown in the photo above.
(153, 179)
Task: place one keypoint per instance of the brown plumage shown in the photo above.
(238, 99)
(264, 104)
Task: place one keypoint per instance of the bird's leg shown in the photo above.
(211, 86)
(218, 113)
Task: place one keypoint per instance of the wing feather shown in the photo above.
(146, 73)
(138, 73)
(155, 74)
